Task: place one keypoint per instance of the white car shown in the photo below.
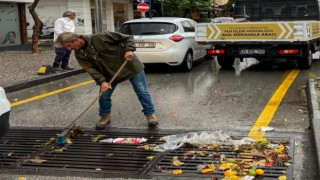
(4, 114)
(166, 40)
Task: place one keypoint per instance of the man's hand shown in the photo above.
(105, 86)
(128, 55)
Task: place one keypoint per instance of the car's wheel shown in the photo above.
(187, 63)
(225, 61)
(305, 62)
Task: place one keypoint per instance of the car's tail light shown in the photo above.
(215, 51)
(176, 38)
(289, 51)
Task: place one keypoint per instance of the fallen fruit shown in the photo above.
(282, 178)
(252, 172)
(231, 160)
(234, 177)
(228, 173)
(233, 166)
(177, 171)
(224, 166)
(280, 149)
(206, 171)
(259, 172)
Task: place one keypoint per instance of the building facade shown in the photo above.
(11, 31)
(92, 16)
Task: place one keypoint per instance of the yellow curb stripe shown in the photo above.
(50, 93)
(272, 106)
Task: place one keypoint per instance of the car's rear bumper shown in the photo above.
(172, 58)
(4, 124)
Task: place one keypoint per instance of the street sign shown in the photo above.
(221, 31)
(143, 7)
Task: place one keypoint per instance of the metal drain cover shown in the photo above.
(28, 149)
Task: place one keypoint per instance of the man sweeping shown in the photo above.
(101, 55)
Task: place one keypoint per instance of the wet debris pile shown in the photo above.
(218, 155)
(205, 153)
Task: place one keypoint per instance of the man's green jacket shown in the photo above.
(104, 54)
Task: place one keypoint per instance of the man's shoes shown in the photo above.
(68, 68)
(57, 68)
(152, 120)
(104, 121)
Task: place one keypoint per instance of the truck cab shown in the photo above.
(273, 30)
(275, 10)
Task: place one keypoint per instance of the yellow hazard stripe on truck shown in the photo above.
(314, 29)
(281, 30)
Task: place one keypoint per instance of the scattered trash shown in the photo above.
(37, 160)
(97, 137)
(109, 155)
(147, 147)
(176, 162)
(150, 157)
(68, 140)
(124, 140)
(203, 137)
(248, 178)
(263, 154)
(109, 140)
(60, 149)
(265, 128)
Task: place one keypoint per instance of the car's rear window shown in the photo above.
(148, 28)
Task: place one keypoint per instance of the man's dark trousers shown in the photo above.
(62, 57)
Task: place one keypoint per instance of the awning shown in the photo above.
(19, 1)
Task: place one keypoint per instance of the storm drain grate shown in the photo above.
(164, 166)
(83, 155)
(28, 149)
(22, 144)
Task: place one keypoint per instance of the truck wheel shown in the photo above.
(305, 62)
(226, 61)
(187, 63)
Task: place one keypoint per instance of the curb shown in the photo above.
(314, 116)
(37, 81)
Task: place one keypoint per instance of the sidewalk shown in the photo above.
(19, 67)
(312, 91)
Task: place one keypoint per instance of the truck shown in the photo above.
(272, 30)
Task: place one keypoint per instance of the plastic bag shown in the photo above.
(203, 137)
(124, 140)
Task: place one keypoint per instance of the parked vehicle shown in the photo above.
(203, 20)
(222, 20)
(4, 114)
(168, 40)
(274, 30)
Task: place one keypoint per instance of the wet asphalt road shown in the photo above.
(208, 98)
